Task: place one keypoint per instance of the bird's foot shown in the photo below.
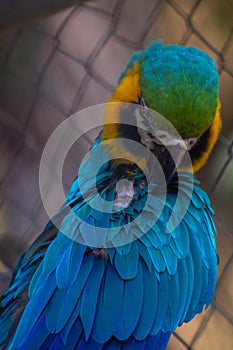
(99, 252)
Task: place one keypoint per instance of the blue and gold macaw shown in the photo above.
(66, 294)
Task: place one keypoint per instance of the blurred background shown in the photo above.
(56, 60)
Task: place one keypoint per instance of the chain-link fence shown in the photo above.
(71, 60)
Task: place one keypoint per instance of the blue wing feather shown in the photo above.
(162, 301)
(197, 273)
(70, 304)
(73, 326)
(90, 296)
(127, 264)
(170, 259)
(188, 265)
(33, 311)
(172, 316)
(145, 288)
(183, 274)
(69, 264)
(37, 337)
(144, 255)
(132, 304)
(181, 238)
(149, 306)
(74, 336)
(53, 308)
(157, 259)
(109, 304)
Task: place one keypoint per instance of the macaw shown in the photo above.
(66, 294)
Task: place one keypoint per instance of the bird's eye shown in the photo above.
(190, 142)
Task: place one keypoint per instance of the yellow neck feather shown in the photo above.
(127, 91)
(214, 132)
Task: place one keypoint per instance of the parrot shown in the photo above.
(111, 292)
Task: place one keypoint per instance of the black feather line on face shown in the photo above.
(201, 146)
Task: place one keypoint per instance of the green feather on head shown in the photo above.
(181, 84)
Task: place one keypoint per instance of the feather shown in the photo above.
(53, 309)
(56, 343)
(45, 345)
(131, 306)
(191, 221)
(203, 288)
(133, 344)
(154, 238)
(91, 344)
(183, 279)
(73, 326)
(206, 249)
(197, 279)
(120, 239)
(145, 241)
(149, 305)
(111, 254)
(90, 295)
(210, 225)
(157, 259)
(212, 275)
(98, 215)
(88, 233)
(135, 231)
(5, 324)
(144, 255)
(113, 344)
(37, 336)
(162, 301)
(187, 266)
(108, 313)
(69, 265)
(126, 248)
(199, 198)
(172, 320)
(127, 264)
(170, 259)
(74, 335)
(49, 264)
(70, 308)
(174, 249)
(158, 342)
(160, 228)
(69, 227)
(197, 273)
(33, 311)
(83, 211)
(180, 238)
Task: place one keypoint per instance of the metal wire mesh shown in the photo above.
(72, 60)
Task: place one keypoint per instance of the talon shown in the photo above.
(99, 252)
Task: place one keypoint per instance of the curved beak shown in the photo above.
(169, 158)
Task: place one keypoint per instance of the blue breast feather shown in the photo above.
(136, 297)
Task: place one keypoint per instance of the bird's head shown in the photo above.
(181, 84)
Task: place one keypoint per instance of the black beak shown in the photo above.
(169, 158)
